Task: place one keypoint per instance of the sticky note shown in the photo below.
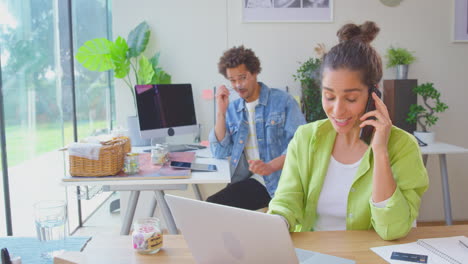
(207, 94)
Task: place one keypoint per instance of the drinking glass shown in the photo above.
(50, 217)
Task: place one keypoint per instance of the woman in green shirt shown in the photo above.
(332, 179)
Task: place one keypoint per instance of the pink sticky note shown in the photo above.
(207, 94)
(205, 143)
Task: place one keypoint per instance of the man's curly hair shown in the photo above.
(237, 56)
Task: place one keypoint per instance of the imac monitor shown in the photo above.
(165, 110)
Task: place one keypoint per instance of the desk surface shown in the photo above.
(347, 244)
(221, 176)
(442, 148)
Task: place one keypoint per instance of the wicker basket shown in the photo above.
(110, 162)
(127, 146)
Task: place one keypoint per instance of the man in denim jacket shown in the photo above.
(253, 130)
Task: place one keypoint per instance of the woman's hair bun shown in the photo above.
(365, 32)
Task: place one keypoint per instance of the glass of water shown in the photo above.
(50, 217)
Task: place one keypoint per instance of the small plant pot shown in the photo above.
(402, 72)
(426, 137)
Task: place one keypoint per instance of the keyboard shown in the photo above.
(181, 147)
(184, 147)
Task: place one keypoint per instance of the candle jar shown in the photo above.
(147, 236)
(131, 165)
(159, 154)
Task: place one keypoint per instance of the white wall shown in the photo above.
(192, 35)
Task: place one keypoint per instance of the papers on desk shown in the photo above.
(310, 257)
(439, 250)
(148, 171)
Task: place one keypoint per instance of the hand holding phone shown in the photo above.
(367, 131)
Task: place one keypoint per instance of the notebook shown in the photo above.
(439, 250)
(222, 234)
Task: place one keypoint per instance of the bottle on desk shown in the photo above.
(160, 154)
(131, 164)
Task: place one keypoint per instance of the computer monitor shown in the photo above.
(165, 110)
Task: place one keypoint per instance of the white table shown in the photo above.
(442, 149)
(158, 186)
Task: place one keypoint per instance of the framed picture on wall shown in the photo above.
(287, 11)
(460, 25)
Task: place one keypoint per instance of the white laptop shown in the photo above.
(222, 234)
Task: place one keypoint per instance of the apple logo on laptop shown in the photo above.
(232, 245)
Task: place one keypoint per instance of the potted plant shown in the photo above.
(308, 74)
(400, 58)
(126, 59)
(424, 115)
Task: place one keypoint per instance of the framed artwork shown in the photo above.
(460, 25)
(287, 11)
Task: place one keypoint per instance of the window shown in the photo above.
(38, 93)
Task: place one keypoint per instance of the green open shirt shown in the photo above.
(305, 169)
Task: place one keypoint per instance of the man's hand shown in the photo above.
(222, 99)
(261, 168)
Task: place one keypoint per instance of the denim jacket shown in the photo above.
(277, 116)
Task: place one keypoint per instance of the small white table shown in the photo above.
(442, 149)
(119, 183)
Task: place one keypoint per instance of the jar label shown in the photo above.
(155, 242)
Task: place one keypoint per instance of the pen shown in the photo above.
(463, 244)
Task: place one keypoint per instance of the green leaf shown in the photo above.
(95, 55)
(431, 120)
(155, 60)
(165, 78)
(119, 57)
(414, 112)
(145, 72)
(161, 77)
(138, 39)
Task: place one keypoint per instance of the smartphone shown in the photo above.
(193, 166)
(367, 131)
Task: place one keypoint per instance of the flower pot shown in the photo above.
(426, 137)
(402, 71)
(134, 132)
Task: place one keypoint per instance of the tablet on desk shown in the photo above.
(193, 166)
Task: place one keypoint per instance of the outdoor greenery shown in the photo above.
(124, 56)
(399, 56)
(23, 144)
(424, 114)
(37, 107)
(309, 76)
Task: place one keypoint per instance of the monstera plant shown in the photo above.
(124, 57)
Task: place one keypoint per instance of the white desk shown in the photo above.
(113, 183)
(442, 149)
